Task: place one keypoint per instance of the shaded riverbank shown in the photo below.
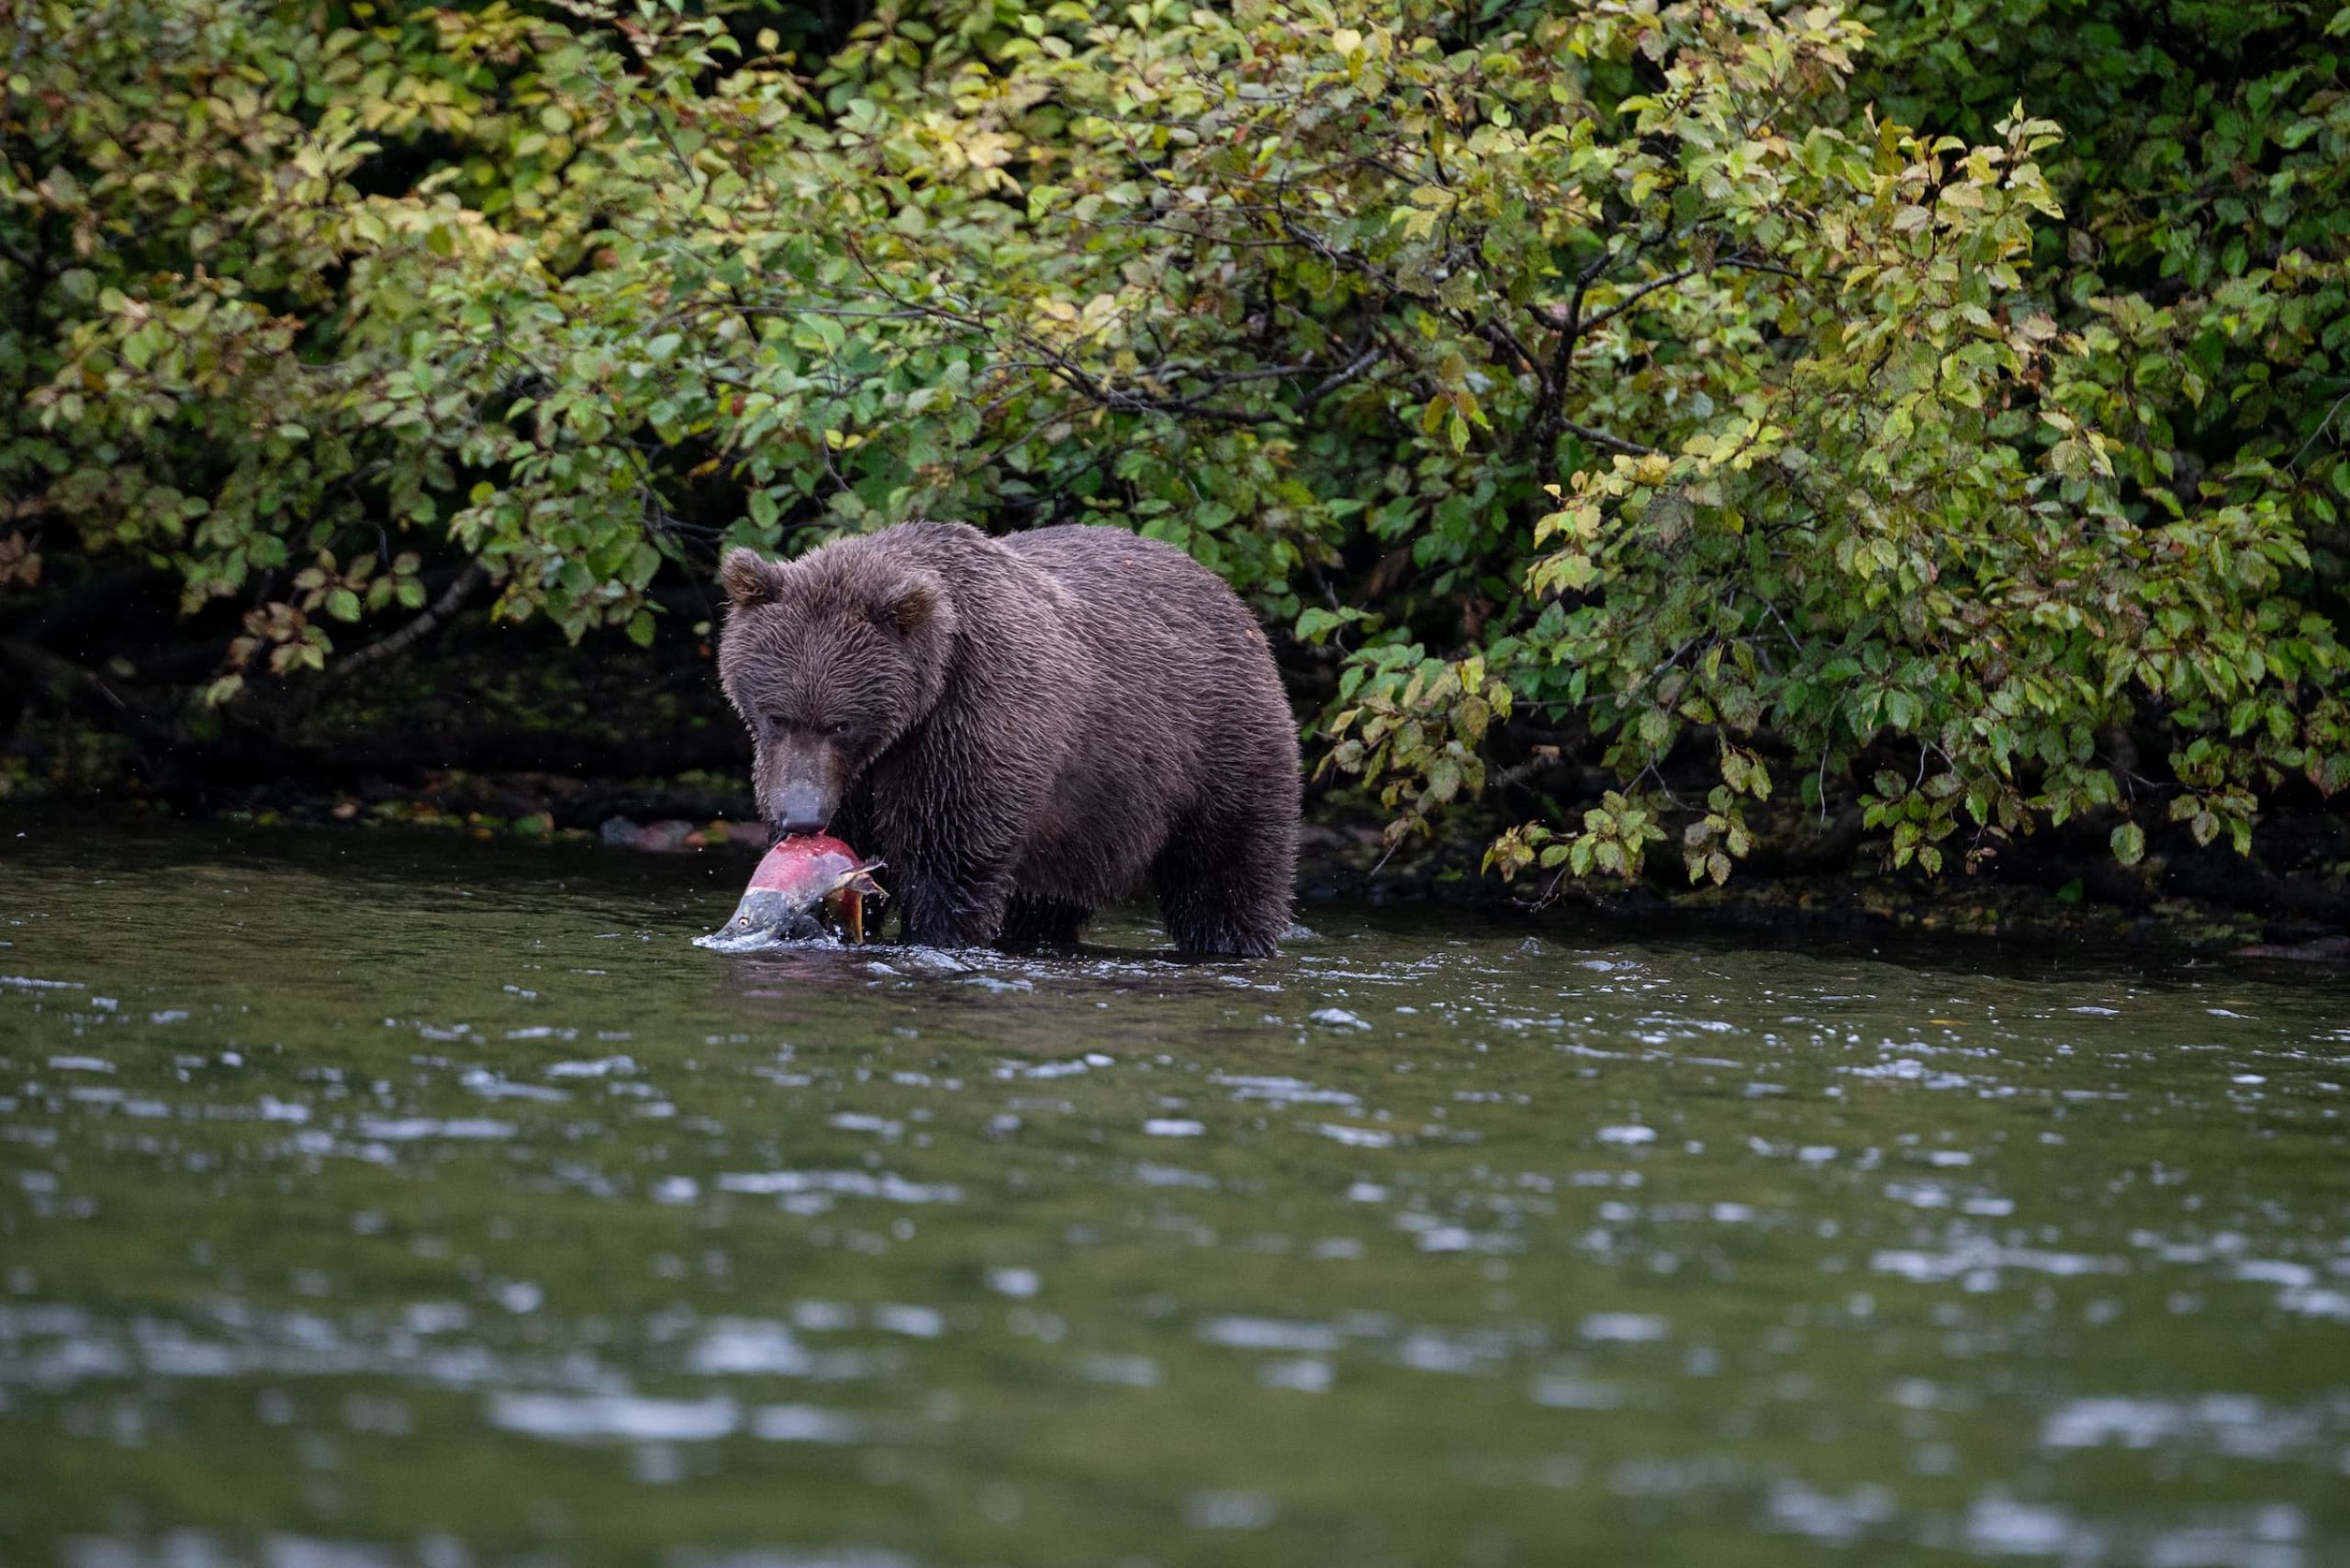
(2201, 900)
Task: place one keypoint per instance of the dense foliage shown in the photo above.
(1929, 414)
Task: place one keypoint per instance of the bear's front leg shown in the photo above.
(953, 877)
(950, 909)
(952, 814)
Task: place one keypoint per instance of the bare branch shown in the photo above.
(1665, 280)
(2294, 462)
(1601, 438)
(393, 645)
(1353, 368)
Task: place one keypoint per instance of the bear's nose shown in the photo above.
(796, 808)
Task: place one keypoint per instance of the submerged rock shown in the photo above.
(2321, 950)
(671, 835)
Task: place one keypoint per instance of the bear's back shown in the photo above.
(1135, 596)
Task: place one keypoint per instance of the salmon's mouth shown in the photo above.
(766, 918)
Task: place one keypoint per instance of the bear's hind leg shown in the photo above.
(1225, 878)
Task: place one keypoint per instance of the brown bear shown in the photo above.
(1022, 729)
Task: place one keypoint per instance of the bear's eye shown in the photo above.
(836, 729)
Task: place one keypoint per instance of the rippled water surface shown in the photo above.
(420, 1202)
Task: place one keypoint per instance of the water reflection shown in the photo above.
(364, 1201)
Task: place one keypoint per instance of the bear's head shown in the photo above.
(831, 660)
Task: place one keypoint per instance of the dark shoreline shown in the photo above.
(1342, 859)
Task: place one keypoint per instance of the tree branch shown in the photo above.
(2295, 460)
(1664, 280)
(1354, 367)
(1601, 438)
(395, 643)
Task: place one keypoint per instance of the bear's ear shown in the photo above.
(749, 579)
(910, 605)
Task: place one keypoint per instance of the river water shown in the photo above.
(407, 1200)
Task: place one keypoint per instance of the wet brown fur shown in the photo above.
(1024, 729)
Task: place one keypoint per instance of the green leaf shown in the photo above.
(1314, 623)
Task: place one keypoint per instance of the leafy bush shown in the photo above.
(2202, 263)
(1592, 380)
